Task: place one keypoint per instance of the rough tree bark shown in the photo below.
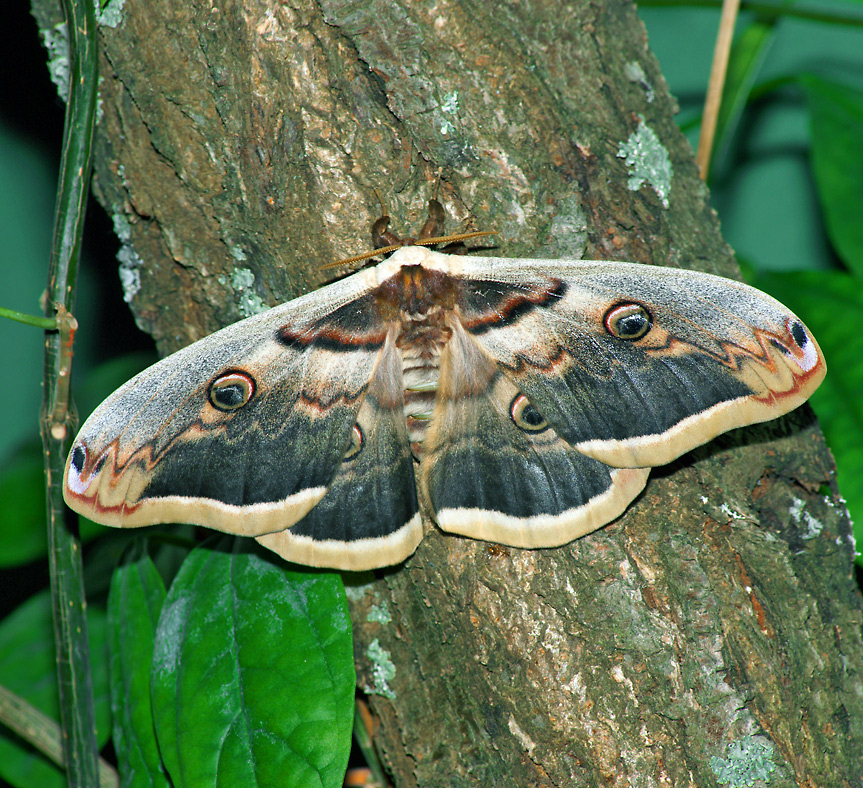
(239, 149)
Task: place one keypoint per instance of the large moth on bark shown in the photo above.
(519, 401)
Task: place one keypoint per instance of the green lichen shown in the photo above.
(635, 73)
(359, 585)
(238, 254)
(122, 228)
(648, 161)
(813, 526)
(130, 271)
(383, 670)
(56, 41)
(249, 303)
(380, 614)
(747, 760)
(111, 14)
(450, 106)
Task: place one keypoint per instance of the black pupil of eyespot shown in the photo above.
(231, 395)
(79, 457)
(631, 325)
(531, 416)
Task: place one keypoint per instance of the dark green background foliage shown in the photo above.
(787, 183)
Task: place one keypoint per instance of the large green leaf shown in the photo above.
(134, 605)
(836, 122)
(28, 667)
(831, 304)
(253, 677)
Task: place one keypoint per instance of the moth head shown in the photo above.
(628, 321)
(231, 390)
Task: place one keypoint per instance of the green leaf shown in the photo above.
(134, 605)
(836, 122)
(253, 677)
(831, 304)
(29, 669)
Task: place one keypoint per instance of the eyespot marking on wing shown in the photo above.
(79, 477)
(801, 337)
(628, 321)
(356, 444)
(79, 457)
(231, 390)
(799, 346)
(525, 416)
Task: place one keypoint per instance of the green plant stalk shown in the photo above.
(67, 587)
(47, 323)
(367, 747)
(713, 99)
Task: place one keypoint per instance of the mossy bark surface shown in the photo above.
(716, 626)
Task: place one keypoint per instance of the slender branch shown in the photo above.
(43, 733)
(67, 587)
(67, 326)
(714, 88)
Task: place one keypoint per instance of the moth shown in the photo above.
(519, 401)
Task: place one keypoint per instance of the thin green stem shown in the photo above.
(48, 323)
(67, 588)
(364, 742)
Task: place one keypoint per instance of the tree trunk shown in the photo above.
(715, 627)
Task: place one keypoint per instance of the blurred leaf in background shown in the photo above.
(836, 126)
(26, 211)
